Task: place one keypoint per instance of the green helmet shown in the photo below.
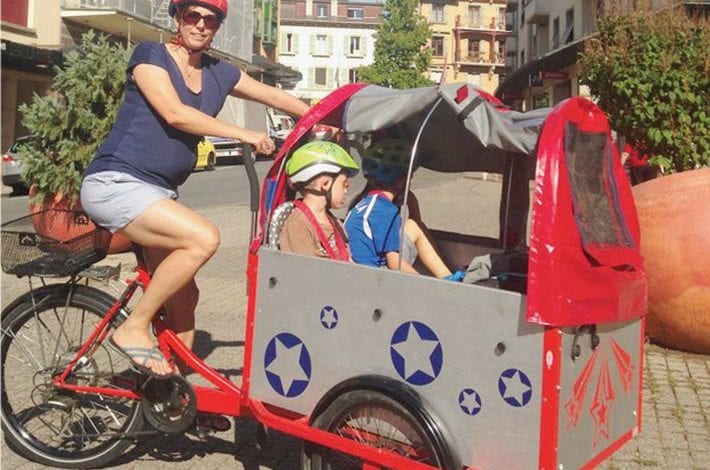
(318, 157)
(387, 160)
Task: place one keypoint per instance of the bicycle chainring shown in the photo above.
(169, 405)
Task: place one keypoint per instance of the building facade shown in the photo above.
(468, 41)
(326, 41)
(542, 53)
(35, 32)
(547, 38)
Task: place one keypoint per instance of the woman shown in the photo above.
(172, 94)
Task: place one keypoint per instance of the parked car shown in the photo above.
(227, 150)
(12, 167)
(206, 155)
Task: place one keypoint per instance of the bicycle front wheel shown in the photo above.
(41, 333)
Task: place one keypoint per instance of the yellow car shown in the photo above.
(206, 158)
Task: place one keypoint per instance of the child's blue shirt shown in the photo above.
(373, 227)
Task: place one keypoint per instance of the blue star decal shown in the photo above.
(470, 401)
(287, 365)
(329, 317)
(416, 353)
(515, 387)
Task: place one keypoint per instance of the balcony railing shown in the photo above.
(474, 24)
(287, 17)
(537, 11)
(233, 38)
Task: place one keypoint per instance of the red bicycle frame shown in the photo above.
(225, 397)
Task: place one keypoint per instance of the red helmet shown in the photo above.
(219, 6)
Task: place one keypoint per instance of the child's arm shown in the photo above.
(392, 258)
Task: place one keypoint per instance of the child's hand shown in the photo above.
(456, 276)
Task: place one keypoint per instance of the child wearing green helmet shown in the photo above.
(321, 172)
(374, 223)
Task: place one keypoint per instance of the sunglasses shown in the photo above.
(192, 18)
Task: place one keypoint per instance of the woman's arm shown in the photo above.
(253, 90)
(154, 83)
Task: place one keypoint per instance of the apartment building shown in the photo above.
(468, 41)
(35, 32)
(547, 36)
(542, 52)
(326, 41)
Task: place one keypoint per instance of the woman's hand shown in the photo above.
(261, 142)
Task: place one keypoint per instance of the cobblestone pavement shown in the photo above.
(676, 407)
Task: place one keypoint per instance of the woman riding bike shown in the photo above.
(173, 92)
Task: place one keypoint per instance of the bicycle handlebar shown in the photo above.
(252, 177)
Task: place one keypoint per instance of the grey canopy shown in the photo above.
(466, 131)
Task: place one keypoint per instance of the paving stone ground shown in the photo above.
(676, 398)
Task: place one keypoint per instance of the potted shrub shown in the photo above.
(69, 124)
(649, 71)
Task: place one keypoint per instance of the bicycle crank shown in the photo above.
(169, 405)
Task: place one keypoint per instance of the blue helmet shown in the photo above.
(386, 160)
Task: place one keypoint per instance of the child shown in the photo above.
(374, 224)
(320, 171)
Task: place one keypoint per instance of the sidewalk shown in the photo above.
(676, 408)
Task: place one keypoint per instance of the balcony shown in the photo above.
(537, 12)
(473, 24)
(482, 60)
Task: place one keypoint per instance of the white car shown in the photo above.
(12, 167)
(227, 150)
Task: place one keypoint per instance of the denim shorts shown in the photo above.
(114, 199)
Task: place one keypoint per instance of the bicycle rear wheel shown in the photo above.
(376, 420)
(41, 333)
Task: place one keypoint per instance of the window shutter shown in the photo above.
(282, 42)
(346, 45)
(330, 78)
(363, 46)
(329, 44)
(313, 44)
(311, 77)
(294, 43)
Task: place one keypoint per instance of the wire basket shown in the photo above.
(52, 243)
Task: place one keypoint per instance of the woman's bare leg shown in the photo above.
(427, 252)
(189, 240)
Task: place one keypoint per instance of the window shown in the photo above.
(501, 52)
(321, 10)
(355, 13)
(522, 57)
(352, 76)
(437, 46)
(437, 13)
(321, 76)
(321, 44)
(474, 16)
(474, 50)
(289, 42)
(556, 33)
(354, 45)
(569, 26)
(15, 12)
(501, 18)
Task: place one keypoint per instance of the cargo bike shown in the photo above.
(538, 367)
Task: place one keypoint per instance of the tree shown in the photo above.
(71, 122)
(400, 54)
(649, 71)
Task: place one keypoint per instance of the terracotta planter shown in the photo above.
(64, 226)
(674, 216)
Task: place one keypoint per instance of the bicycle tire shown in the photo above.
(374, 410)
(41, 332)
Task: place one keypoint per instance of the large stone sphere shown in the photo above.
(674, 215)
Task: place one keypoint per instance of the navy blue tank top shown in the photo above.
(141, 143)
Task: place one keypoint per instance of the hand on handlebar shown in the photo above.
(261, 142)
